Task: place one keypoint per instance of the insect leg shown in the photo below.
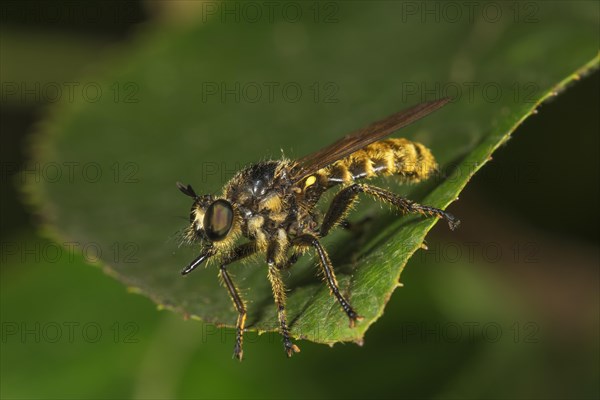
(279, 294)
(356, 226)
(341, 204)
(346, 197)
(325, 262)
(242, 251)
(277, 250)
(293, 259)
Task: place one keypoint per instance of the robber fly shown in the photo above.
(272, 204)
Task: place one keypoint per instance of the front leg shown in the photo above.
(240, 252)
(240, 306)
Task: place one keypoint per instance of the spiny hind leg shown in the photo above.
(409, 206)
(327, 267)
(342, 202)
(278, 287)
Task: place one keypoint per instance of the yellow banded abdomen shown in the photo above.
(411, 161)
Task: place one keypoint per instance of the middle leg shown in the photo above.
(278, 287)
(325, 262)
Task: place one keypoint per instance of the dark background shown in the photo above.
(539, 193)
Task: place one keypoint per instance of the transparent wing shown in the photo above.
(347, 145)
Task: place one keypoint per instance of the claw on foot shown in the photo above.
(354, 319)
(453, 222)
(291, 348)
(238, 353)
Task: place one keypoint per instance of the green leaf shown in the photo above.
(197, 103)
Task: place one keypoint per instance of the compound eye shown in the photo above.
(218, 220)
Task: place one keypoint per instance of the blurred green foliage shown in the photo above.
(168, 113)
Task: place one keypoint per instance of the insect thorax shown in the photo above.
(264, 199)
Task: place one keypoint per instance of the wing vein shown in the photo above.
(356, 140)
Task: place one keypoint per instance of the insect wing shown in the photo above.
(357, 140)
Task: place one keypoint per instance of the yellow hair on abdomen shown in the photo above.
(411, 161)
